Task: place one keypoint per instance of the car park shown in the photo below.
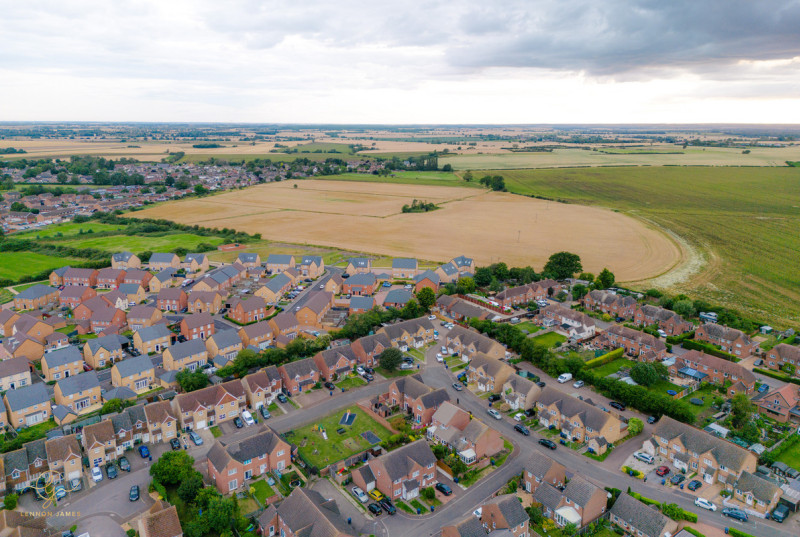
(248, 418)
(144, 452)
(175, 444)
(374, 508)
(734, 513)
(457, 386)
(359, 493)
(196, 438)
(705, 504)
(97, 474)
(444, 489)
(662, 471)
(578, 384)
(547, 443)
(617, 405)
(124, 464)
(134, 494)
(111, 471)
(644, 457)
(264, 412)
(238, 422)
(694, 484)
(522, 429)
(387, 506)
(677, 479)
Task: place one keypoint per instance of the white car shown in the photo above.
(444, 350)
(360, 370)
(477, 512)
(578, 384)
(408, 286)
(705, 504)
(358, 493)
(495, 414)
(519, 417)
(97, 474)
(431, 317)
(439, 357)
(644, 457)
(248, 418)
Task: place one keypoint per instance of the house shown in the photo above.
(311, 311)
(28, 405)
(107, 318)
(272, 290)
(110, 278)
(14, 373)
(133, 292)
(57, 276)
(226, 344)
(712, 458)
(756, 494)
(416, 398)
(24, 466)
(21, 345)
(60, 363)
(172, 299)
(399, 474)
(448, 273)
(187, 355)
(152, 339)
(247, 311)
(197, 326)
(540, 468)
(459, 309)
(36, 297)
(143, 316)
(100, 442)
(85, 277)
(204, 301)
(636, 518)
(577, 419)
(730, 340)
(468, 342)
(137, 374)
(284, 327)
(505, 513)
(356, 265)
(279, 262)
(84, 311)
(162, 424)
(123, 432)
(455, 428)
(299, 376)
(125, 260)
(210, 406)
(138, 420)
(73, 296)
(618, 306)
(161, 520)
(427, 279)
(580, 502)
(668, 321)
(368, 348)
(704, 367)
(489, 374)
(55, 341)
(641, 345)
(404, 268)
(257, 335)
(161, 280)
(64, 457)
(361, 304)
(520, 393)
(79, 393)
(336, 363)
(249, 260)
(515, 296)
(781, 404)
(466, 527)
(782, 355)
(312, 266)
(160, 261)
(195, 263)
(413, 333)
(103, 350)
(262, 386)
(304, 512)
(230, 466)
(573, 324)
(397, 298)
(464, 265)
(334, 283)
(360, 284)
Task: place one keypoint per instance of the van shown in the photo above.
(644, 457)
(564, 377)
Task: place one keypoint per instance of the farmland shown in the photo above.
(336, 213)
(14, 265)
(155, 243)
(67, 230)
(400, 177)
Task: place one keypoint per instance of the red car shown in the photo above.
(662, 471)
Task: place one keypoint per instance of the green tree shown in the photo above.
(426, 298)
(390, 359)
(465, 285)
(500, 271)
(483, 276)
(635, 426)
(672, 510)
(684, 308)
(495, 286)
(10, 502)
(62, 177)
(447, 168)
(112, 406)
(741, 410)
(172, 467)
(468, 176)
(190, 381)
(411, 310)
(644, 374)
(605, 279)
(190, 485)
(579, 291)
(562, 265)
(570, 529)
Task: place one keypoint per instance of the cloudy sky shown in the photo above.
(401, 61)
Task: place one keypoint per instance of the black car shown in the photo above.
(732, 512)
(124, 464)
(652, 419)
(547, 443)
(282, 398)
(264, 412)
(618, 406)
(184, 310)
(175, 444)
(330, 385)
(444, 489)
(522, 429)
(694, 484)
(181, 339)
(386, 503)
(677, 479)
(457, 386)
(368, 377)
(111, 471)
(369, 370)
(374, 508)
(494, 397)
(408, 359)
(541, 384)
(780, 513)
(238, 422)
(134, 495)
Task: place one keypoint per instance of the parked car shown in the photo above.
(374, 508)
(60, 492)
(495, 414)
(75, 484)
(405, 366)
(196, 438)
(144, 452)
(522, 429)
(358, 493)
(368, 377)
(644, 457)
(694, 484)
(248, 418)
(124, 464)
(541, 384)
(652, 419)
(457, 386)
(375, 494)
(519, 416)
(617, 405)
(264, 412)
(97, 474)
(444, 350)
(386, 503)
(662, 471)
(134, 494)
(494, 397)
(705, 504)
(175, 444)
(564, 377)
(238, 422)
(386, 284)
(578, 384)
(444, 489)
(111, 471)
(677, 479)
(330, 385)
(547, 443)
(282, 398)
(780, 513)
(737, 514)
(360, 370)
(439, 357)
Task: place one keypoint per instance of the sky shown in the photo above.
(401, 61)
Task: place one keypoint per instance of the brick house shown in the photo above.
(756, 494)
(160, 261)
(27, 406)
(161, 520)
(577, 419)
(230, 466)
(125, 260)
(368, 348)
(153, 339)
(357, 265)
(80, 393)
(572, 324)
(138, 277)
(636, 518)
(257, 335)
(80, 276)
(300, 375)
(520, 393)
(249, 260)
(505, 513)
(455, 428)
(134, 293)
(489, 374)
(36, 297)
(143, 316)
(272, 290)
(427, 279)
(404, 268)
(247, 311)
(172, 299)
(466, 527)
(24, 466)
(195, 263)
(448, 273)
(197, 326)
(262, 386)
(668, 321)
(311, 311)
(416, 398)
(204, 301)
(137, 374)
(107, 318)
(730, 340)
(226, 344)
(14, 373)
(110, 278)
(55, 341)
(162, 280)
(103, 350)
(360, 284)
(210, 406)
(162, 424)
(60, 364)
(399, 474)
(459, 309)
(312, 266)
(641, 345)
(84, 311)
(707, 368)
(100, 442)
(64, 457)
(336, 362)
(618, 306)
(284, 327)
(782, 404)
(540, 468)
(712, 458)
(304, 512)
(467, 343)
(73, 296)
(464, 265)
(782, 355)
(187, 355)
(397, 298)
(57, 276)
(279, 262)
(413, 333)
(580, 503)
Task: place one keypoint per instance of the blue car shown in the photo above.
(387, 284)
(144, 452)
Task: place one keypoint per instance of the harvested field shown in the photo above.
(488, 226)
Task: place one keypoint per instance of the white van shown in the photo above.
(564, 377)
(644, 457)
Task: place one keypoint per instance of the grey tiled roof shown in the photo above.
(307, 260)
(64, 356)
(79, 383)
(308, 514)
(470, 527)
(36, 291)
(697, 441)
(359, 262)
(179, 351)
(649, 521)
(398, 296)
(761, 489)
(254, 446)
(247, 257)
(226, 338)
(539, 464)
(156, 331)
(110, 343)
(27, 396)
(580, 491)
(571, 406)
(162, 258)
(429, 274)
(462, 261)
(399, 462)
(362, 302)
(511, 508)
(129, 288)
(547, 495)
(279, 259)
(300, 367)
(362, 278)
(134, 366)
(121, 256)
(404, 263)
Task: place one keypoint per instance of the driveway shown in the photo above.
(346, 505)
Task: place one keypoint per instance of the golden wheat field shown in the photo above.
(488, 226)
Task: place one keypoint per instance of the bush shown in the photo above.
(634, 473)
(428, 493)
(738, 533)
(708, 349)
(605, 358)
(10, 502)
(777, 375)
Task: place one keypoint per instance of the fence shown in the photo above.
(481, 303)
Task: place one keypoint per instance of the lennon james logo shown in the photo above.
(48, 488)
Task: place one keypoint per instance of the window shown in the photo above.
(233, 485)
(280, 453)
(232, 471)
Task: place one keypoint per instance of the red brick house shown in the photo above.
(210, 406)
(644, 346)
(399, 474)
(360, 284)
(138, 277)
(706, 368)
(172, 299)
(419, 400)
(668, 321)
(73, 296)
(471, 439)
(730, 340)
(262, 386)
(542, 469)
(299, 376)
(247, 311)
(368, 348)
(80, 276)
(579, 503)
(618, 306)
(109, 278)
(304, 512)
(782, 355)
(231, 466)
(782, 404)
(197, 326)
(336, 362)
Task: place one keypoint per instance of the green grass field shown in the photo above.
(67, 230)
(612, 367)
(262, 490)
(14, 265)
(707, 393)
(416, 178)
(529, 327)
(321, 452)
(139, 243)
(550, 339)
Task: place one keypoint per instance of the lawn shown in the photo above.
(529, 327)
(5, 296)
(550, 339)
(20, 288)
(67, 230)
(790, 457)
(14, 265)
(612, 367)
(707, 393)
(164, 243)
(417, 355)
(262, 490)
(351, 382)
(215, 431)
(662, 386)
(320, 452)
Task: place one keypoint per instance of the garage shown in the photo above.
(201, 424)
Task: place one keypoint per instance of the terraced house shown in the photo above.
(137, 374)
(730, 340)
(187, 355)
(104, 350)
(230, 466)
(110, 278)
(413, 333)
(704, 367)
(399, 474)
(668, 321)
(714, 459)
(755, 494)
(299, 376)
(73, 296)
(80, 394)
(784, 357)
(61, 363)
(540, 468)
(469, 343)
(577, 419)
(210, 406)
(645, 347)
(618, 306)
(84, 277)
(488, 374)
(520, 393)
(162, 424)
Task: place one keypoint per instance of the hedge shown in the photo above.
(738, 533)
(709, 349)
(605, 358)
(636, 473)
(680, 338)
(777, 375)
(694, 531)
(644, 499)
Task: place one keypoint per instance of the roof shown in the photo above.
(539, 464)
(580, 491)
(571, 407)
(64, 356)
(398, 296)
(210, 395)
(16, 366)
(462, 261)
(129, 288)
(469, 527)
(164, 523)
(434, 398)
(121, 256)
(547, 495)
(761, 489)
(449, 269)
(179, 351)
(362, 303)
(300, 368)
(35, 292)
(280, 259)
(162, 258)
(398, 463)
(26, 397)
(491, 367)
(467, 337)
(642, 338)
(404, 263)
(79, 383)
(197, 320)
(725, 333)
(511, 508)
(110, 343)
(157, 331)
(362, 278)
(261, 328)
(649, 521)
(134, 366)
(226, 338)
(195, 257)
(359, 262)
(428, 274)
(412, 386)
(695, 440)
(62, 447)
(74, 291)
(309, 259)
(100, 432)
(316, 301)
(254, 303)
(307, 514)
(141, 311)
(247, 257)
(285, 320)
(159, 412)
(397, 330)
(247, 449)
(706, 362)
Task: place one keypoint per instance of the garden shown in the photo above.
(550, 340)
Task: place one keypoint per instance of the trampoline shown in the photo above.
(371, 437)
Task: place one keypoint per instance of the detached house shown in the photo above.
(14, 373)
(125, 260)
(162, 280)
(397, 298)
(162, 424)
(231, 466)
(730, 340)
(782, 355)
(704, 367)
(426, 279)
(284, 327)
(542, 469)
(143, 316)
(104, 350)
(159, 262)
(782, 404)
(360, 284)
(312, 310)
(187, 355)
(136, 373)
(257, 335)
(27, 406)
(197, 326)
(304, 513)
(636, 518)
(172, 299)
(133, 292)
(644, 346)
(152, 339)
(505, 513)
(668, 321)
(399, 474)
(110, 278)
(210, 406)
(404, 268)
(368, 348)
(618, 306)
(580, 503)
(489, 374)
(464, 265)
(262, 386)
(472, 439)
(249, 260)
(80, 394)
(577, 419)
(336, 363)
(204, 301)
(195, 263)
(356, 265)
(312, 266)
(572, 324)
(161, 520)
(60, 363)
(447, 273)
(247, 311)
(226, 345)
(279, 262)
(755, 494)
(36, 297)
(272, 290)
(299, 376)
(57, 276)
